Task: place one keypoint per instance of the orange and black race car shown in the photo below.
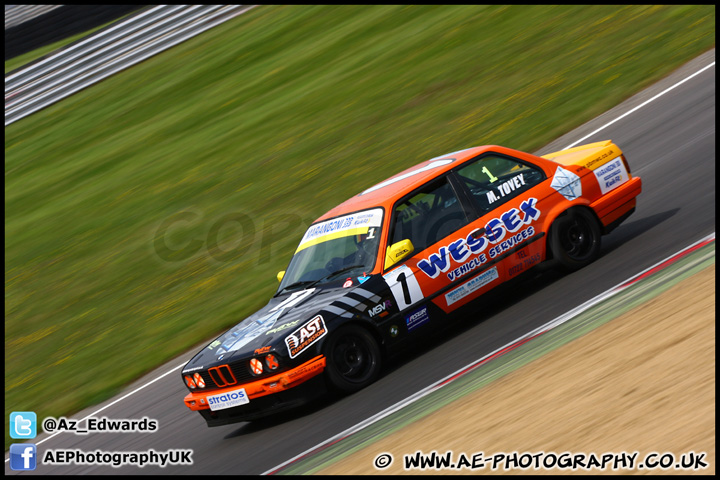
(388, 264)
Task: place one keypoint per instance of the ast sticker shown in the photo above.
(305, 336)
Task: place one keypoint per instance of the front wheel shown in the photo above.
(575, 239)
(353, 359)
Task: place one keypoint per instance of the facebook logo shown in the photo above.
(23, 456)
(23, 425)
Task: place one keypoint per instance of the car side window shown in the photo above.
(428, 215)
(493, 180)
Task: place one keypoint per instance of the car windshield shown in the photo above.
(347, 244)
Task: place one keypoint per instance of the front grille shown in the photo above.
(222, 376)
(241, 371)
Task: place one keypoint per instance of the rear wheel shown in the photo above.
(575, 239)
(353, 359)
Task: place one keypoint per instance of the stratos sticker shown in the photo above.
(305, 336)
(228, 399)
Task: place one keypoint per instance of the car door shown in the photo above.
(432, 217)
(509, 196)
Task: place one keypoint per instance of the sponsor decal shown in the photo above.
(526, 263)
(380, 308)
(295, 373)
(599, 158)
(348, 283)
(511, 242)
(417, 318)
(282, 327)
(353, 224)
(393, 331)
(467, 267)
(469, 287)
(567, 184)
(506, 188)
(262, 350)
(611, 175)
(362, 280)
(228, 399)
(304, 370)
(305, 336)
(214, 344)
(515, 269)
(460, 250)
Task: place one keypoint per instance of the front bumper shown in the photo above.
(267, 406)
(198, 401)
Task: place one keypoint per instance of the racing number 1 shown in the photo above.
(404, 286)
(493, 178)
(406, 291)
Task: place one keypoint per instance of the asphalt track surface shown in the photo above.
(669, 142)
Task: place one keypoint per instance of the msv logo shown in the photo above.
(463, 248)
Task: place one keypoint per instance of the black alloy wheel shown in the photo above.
(353, 359)
(575, 239)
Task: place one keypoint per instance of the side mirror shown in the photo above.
(280, 275)
(398, 251)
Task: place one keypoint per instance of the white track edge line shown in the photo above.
(640, 106)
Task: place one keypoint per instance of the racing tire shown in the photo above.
(353, 359)
(574, 240)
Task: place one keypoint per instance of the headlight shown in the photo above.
(272, 362)
(269, 363)
(256, 367)
(190, 382)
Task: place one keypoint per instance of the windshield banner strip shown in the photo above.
(333, 236)
(354, 224)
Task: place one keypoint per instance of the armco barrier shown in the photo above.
(110, 50)
(28, 27)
